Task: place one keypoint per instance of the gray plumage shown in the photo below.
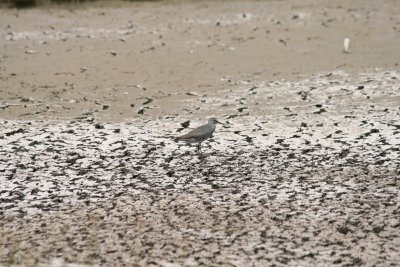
(200, 134)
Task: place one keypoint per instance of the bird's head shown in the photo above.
(213, 121)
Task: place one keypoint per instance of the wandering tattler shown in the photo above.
(200, 134)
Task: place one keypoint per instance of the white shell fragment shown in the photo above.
(346, 45)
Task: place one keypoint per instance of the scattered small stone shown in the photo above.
(148, 101)
(98, 126)
(343, 230)
(322, 110)
(249, 139)
(378, 229)
(344, 153)
(185, 124)
(20, 130)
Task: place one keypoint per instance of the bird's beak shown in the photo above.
(218, 122)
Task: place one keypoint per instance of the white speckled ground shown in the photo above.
(301, 174)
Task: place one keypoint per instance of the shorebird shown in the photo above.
(200, 134)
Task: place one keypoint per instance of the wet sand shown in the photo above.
(303, 172)
(116, 63)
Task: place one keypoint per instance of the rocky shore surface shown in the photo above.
(313, 181)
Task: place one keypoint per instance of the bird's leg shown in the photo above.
(199, 149)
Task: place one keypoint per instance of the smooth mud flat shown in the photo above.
(304, 170)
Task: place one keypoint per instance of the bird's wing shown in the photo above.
(198, 132)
